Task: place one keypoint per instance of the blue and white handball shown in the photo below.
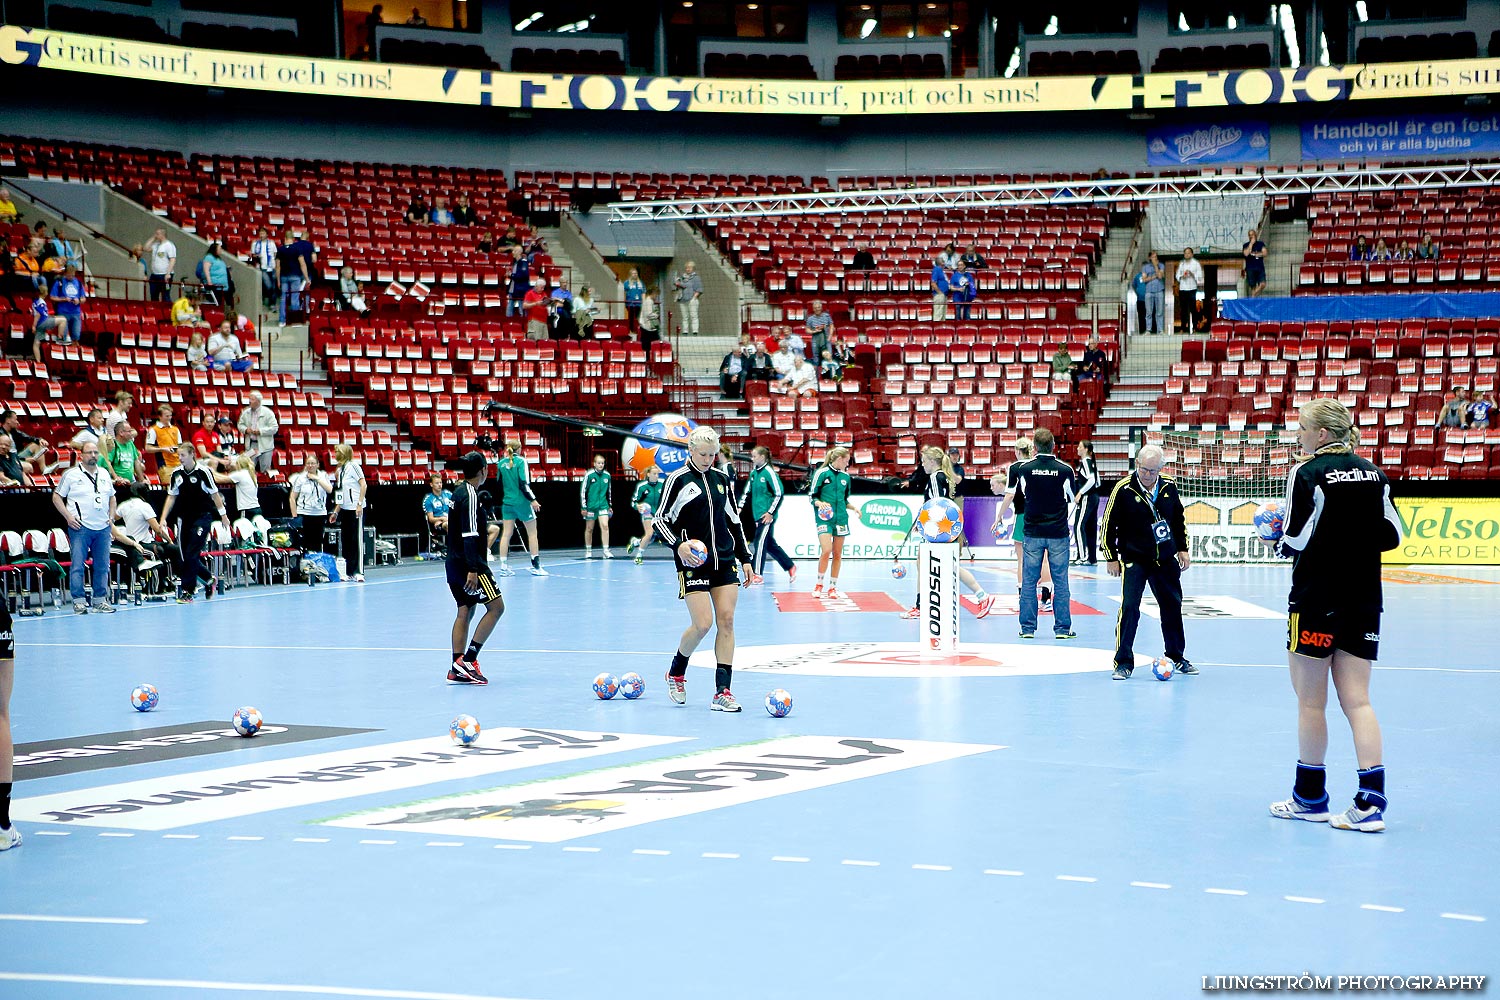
(898, 570)
(632, 685)
(247, 721)
(606, 686)
(779, 704)
(1000, 532)
(144, 698)
(698, 553)
(464, 730)
(1162, 668)
(825, 511)
(1269, 521)
(940, 520)
(671, 428)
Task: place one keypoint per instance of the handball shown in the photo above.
(642, 455)
(898, 571)
(606, 686)
(1162, 668)
(464, 730)
(697, 554)
(940, 520)
(825, 511)
(632, 686)
(1270, 518)
(779, 704)
(144, 698)
(999, 531)
(247, 721)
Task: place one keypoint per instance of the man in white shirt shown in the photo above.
(141, 535)
(1189, 280)
(802, 380)
(781, 363)
(161, 261)
(263, 259)
(225, 352)
(258, 429)
(86, 499)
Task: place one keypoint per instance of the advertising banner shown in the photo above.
(1216, 142)
(1212, 223)
(151, 61)
(883, 528)
(937, 590)
(1222, 530)
(1447, 532)
(1456, 134)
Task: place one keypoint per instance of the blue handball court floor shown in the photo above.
(1004, 822)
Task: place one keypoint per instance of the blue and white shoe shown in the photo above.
(1293, 809)
(1366, 820)
(9, 838)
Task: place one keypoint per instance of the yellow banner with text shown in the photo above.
(1447, 532)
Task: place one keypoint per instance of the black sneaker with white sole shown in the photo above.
(1122, 672)
(1186, 667)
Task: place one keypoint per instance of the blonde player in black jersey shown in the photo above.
(1339, 518)
(942, 481)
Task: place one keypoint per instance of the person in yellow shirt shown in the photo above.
(8, 211)
(185, 311)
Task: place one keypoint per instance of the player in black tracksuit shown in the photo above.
(469, 577)
(1086, 514)
(9, 835)
(697, 505)
(1339, 519)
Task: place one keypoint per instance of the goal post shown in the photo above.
(1223, 476)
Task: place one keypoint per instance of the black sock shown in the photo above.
(536, 562)
(472, 653)
(721, 677)
(679, 665)
(1371, 788)
(1311, 788)
(4, 805)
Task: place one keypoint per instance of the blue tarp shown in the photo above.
(1301, 308)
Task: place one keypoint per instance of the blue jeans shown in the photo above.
(85, 544)
(75, 326)
(1031, 575)
(1156, 306)
(291, 296)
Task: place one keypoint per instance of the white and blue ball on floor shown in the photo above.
(144, 698)
(1162, 668)
(464, 730)
(779, 704)
(632, 685)
(247, 721)
(606, 686)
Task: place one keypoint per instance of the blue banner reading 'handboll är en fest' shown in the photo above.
(1457, 134)
(1215, 142)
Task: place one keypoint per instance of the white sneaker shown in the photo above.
(102, 608)
(832, 594)
(1292, 809)
(80, 607)
(10, 838)
(588, 553)
(724, 702)
(538, 571)
(1368, 820)
(505, 569)
(359, 578)
(149, 564)
(608, 554)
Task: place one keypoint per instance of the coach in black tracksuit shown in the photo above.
(1145, 539)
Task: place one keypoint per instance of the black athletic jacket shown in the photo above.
(1126, 535)
(1339, 518)
(700, 505)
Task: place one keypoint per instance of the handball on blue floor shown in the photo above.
(464, 730)
(247, 721)
(825, 511)
(898, 570)
(632, 685)
(606, 686)
(779, 704)
(144, 698)
(1162, 668)
(1270, 519)
(940, 520)
(697, 553)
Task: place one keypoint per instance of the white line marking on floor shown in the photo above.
(228, 987)
(860, 864)
(1378, 666)
(52, 833)
(717, 854)
(1227, 892)
(1382, 909)
(108, 833)
(445, 843)
(310, 840)
(179, 836)
(1152, 885)
(380, 843)
(246, 838)
(593, 850)
(1303, 899)
(653, 853)
(1463, 916)
(512, 847)
(1003, 871)
(932, 868)
(47, 918)
(1075, 878)
(782, 857)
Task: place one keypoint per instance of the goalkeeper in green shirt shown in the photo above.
(764, 497)
(647, 496)
(593, 497)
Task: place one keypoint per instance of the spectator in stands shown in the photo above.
(950, 257)
(1153, 279)
(650, 319)
(242, 477)
(351, 293)
(258, 426)
(185, 311)
(1455, 412)
(486, 242)
(792, 341)
(263, 259)
(1404, 251)
(30, 450)
(1063, 364)
(1189, 280)
(122, 458)
(733, 371)
(295, 263)
(802, 379)
(373, 21)
(418, 211)
(67, 297)
(85, 497)
(1427, 250)
(1360, 250)
(819, 327)
(781, 363)
(92, 430)
(520, 279)
(8, 212)
(1254, 251)
(309, 501)
(962, 289)
(228, 437)
(45, 327)
(162, 439)
(1381, 252)
(864, 260)
(161, 264)
(349, 494)
(29, 272)
(510, 239)
(973, 259)
(10, 282)
(441, 214)
(689, 285)
(64, 250)
(463, 212)
(535, 306)
(12, 473)
(560, 312)
(436, 504)
(939, 282)
(757, 363)
(225, 353)
(416, 20)
(206, 441)
(584, 311)
(635, 291)
(1095, 365)
(197, 353)
(120, 412)
(214, 273)
(1479, 411)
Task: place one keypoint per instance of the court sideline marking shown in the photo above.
(45, 918)
(206, 984)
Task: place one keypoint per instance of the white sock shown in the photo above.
(833, 583)
(980, 595)
(820, 579)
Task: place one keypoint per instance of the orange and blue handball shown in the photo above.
(1270, 521)
(940, 520)
(606, 686)
(464, 730)
(632, 685)
(779, 704)
(247, 721)
(144, 698)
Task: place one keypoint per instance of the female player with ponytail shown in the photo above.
(518, 504)
(1339, 519)
(831, 486)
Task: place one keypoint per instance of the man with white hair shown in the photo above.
(1145, 540)
(258, 429)
(689, 285)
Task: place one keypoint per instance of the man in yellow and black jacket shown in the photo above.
(1145, 539)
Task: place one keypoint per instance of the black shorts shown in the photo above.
(458, 576)
(1317, 633)
(7, 633)
(705, 578)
